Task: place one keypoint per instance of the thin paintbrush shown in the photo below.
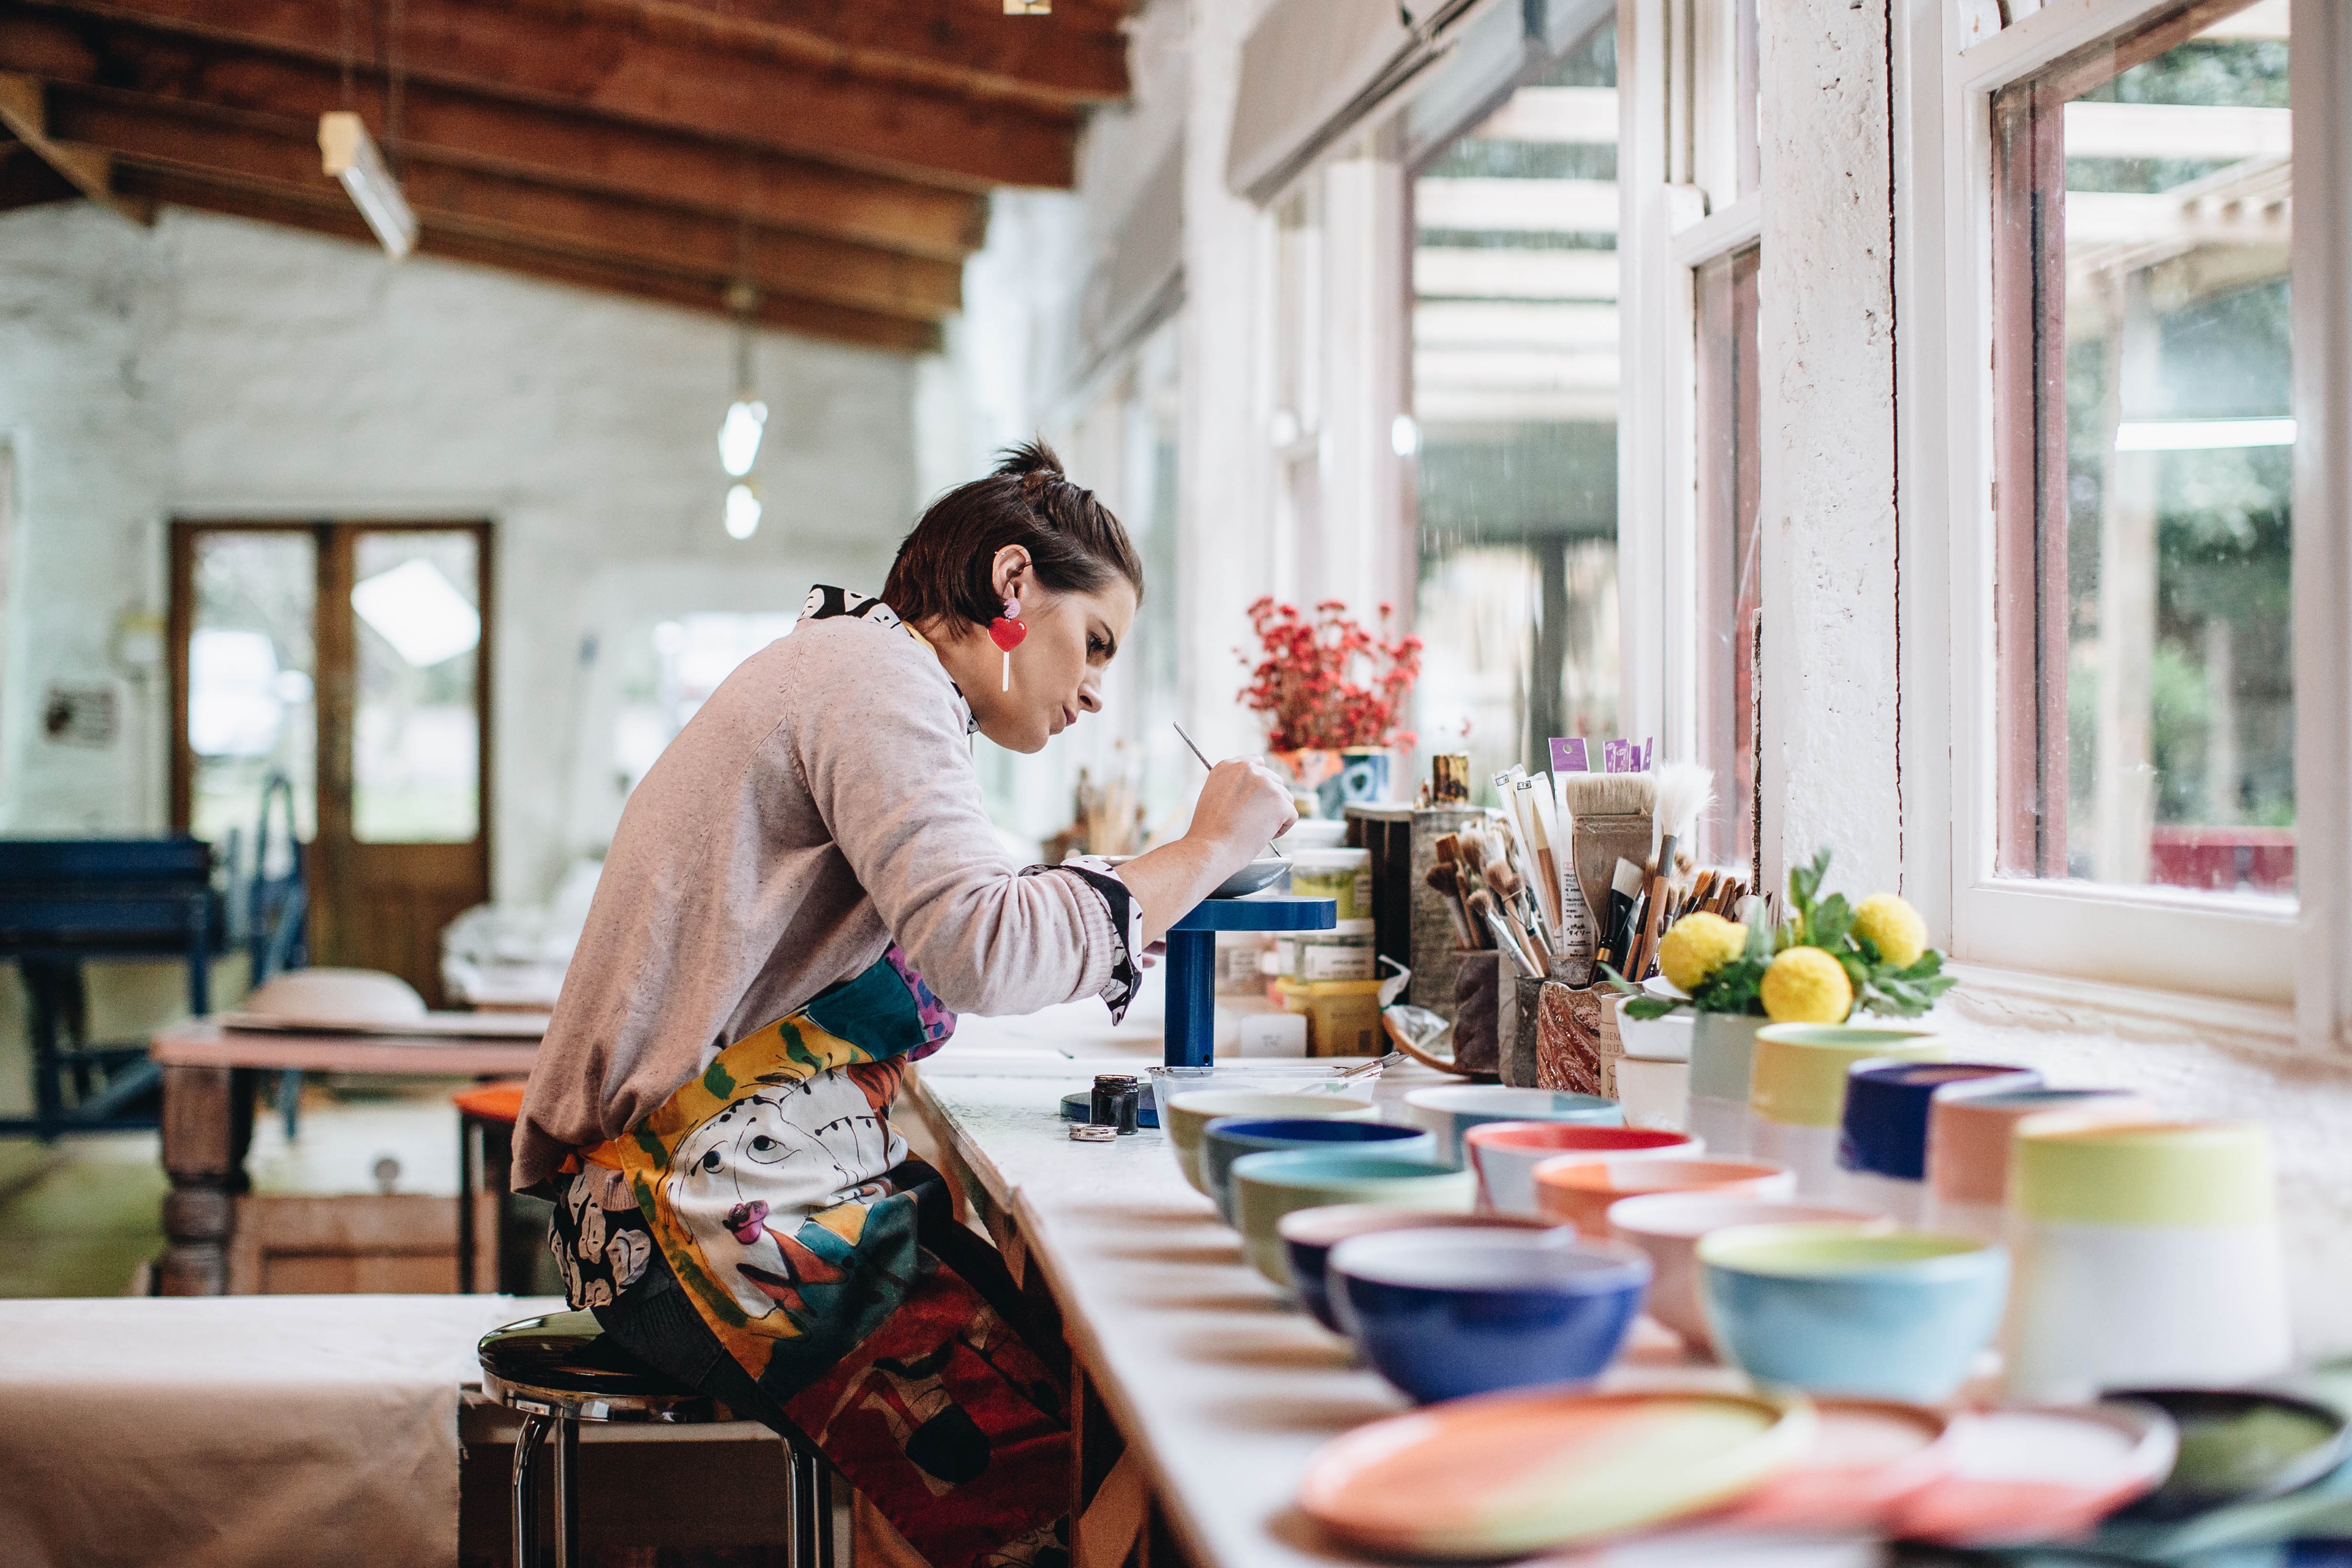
(1270, 844)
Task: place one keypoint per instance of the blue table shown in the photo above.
(1193, 963)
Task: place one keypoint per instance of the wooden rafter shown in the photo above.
(26, 181)
(597, 64)
(466, 131)
(328, 214)
(273, 152)
(84, 168)
(1076, 54)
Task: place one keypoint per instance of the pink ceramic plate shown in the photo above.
(1870, 1455)
(1506, 1474)
(2041, 1474)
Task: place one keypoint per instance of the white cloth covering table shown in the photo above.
(248, 1430)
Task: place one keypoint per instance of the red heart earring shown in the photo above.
(1007, 632)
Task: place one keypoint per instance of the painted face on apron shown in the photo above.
(783, 1152)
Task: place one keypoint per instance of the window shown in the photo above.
(1515, 393)
(1730, 488)
(2144, 456)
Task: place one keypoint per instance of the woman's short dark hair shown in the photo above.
(1076, 546)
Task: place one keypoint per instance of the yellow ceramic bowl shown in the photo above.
(1186, 1116)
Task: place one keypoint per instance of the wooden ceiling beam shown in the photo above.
(1076, 54)
(26, 181)
(465, 131)
(83, 168)
(602, 67)
(331, 215)
(275, 151)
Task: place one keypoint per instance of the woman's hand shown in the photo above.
(1242, 804)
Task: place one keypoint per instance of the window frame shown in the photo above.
(2256, 951)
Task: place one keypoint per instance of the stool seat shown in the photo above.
(564, 1364)
(499, 1102)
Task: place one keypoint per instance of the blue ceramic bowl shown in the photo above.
(1229, 1138)
(1837, 1309)
(1443, 1313)
(1884, 1132)
(1310, 1235)
(1451, 1110)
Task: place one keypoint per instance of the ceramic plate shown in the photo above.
(1869, 1455)
(2239, 1443)
(1512, 1473)
(1255, 876)
(2041, 1473)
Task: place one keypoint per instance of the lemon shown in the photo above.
(1698, 946)
(1806, 985)
(1893, 926)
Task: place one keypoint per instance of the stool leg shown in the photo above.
(795, 1555)
(467, 1137)
(567, 1494)
(525, 1510)
(821, 1470)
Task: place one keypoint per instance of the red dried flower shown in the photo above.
(1302, 682)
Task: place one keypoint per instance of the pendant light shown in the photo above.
(350, 155)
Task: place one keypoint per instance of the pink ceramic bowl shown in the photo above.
(1668, 1225)
(1577, 1191)
(1506, 1154)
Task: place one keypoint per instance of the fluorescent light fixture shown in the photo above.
(350, 155)
(1404, 435)
(2202, 435)
(739, 438)
(419, 612)
(742, 512)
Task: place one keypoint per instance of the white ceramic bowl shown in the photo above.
(326, 997)
(1452, 1110)
(1506, 1154)
(1668, 1225)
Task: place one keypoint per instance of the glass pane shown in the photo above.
(1514, 380)
(251, 671)
(2164, 448)
(1730, 493)
(416, 736)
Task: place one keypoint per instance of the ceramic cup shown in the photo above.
(1579, 1192)
(1668, 1226)
(1451, 1111)
(1308, 1236)
(1270, 1186)
(1841, 1310)
(1443, 1313)
(1723, 1046)
(1795, 1090)
(1883, 1137)
(1186, 1116)
(1504, 1154)
(1968, 1148)
(2147, 1253)
(1229, 1138)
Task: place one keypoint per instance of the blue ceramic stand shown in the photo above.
(1193, 963)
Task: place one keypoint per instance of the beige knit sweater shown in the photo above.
(821, 803)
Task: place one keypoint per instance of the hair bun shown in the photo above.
(1033, 463)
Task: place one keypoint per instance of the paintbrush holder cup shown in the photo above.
(1486, 1010)
(1577, 1045)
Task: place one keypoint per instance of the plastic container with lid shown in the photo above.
(1343, 952)
(1342, 875)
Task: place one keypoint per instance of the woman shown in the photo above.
(800, 891)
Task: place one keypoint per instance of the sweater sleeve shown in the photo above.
(883, 754)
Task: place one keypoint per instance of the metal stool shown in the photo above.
(560, 1370)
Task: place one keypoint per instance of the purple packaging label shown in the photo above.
(1649, 752)
(1618, 757)
(1568, 755)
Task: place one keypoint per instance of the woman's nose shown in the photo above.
(1090, 694)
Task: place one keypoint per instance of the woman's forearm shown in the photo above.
(1242, 805)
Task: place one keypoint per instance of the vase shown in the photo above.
(1361, 779)
(1723, 1046)
(1309, 767)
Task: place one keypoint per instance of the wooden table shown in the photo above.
(208, 1089)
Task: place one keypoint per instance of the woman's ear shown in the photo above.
(1011, 571)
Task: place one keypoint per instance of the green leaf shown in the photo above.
(1831, 919)
(1649, 1007)
(1805, 881)
(1759, 943)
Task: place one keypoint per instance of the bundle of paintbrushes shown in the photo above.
(1489, 899)
(1630, 837)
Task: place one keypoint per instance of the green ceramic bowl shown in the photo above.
(1267, 1187)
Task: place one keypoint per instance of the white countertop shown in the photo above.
(1223, 1387)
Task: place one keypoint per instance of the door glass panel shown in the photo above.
(416, 735)
(251, 669)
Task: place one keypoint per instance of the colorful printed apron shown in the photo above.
(766, 1184)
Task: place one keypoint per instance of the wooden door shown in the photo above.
(369, 644)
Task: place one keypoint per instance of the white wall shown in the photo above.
(209, 367)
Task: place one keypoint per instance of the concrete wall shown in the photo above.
(208, 367)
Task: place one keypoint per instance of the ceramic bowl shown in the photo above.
(1229, 1138)
(1668, 1225)
(1579, 1192)
(1307, 1236)
(1842, 1309)
(1269, 1186)
(323, 998)
(1452, 1110)
(1186, 1116)
(1443, 1313)
(1504, 1154)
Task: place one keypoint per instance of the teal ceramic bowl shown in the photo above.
(1269, 1186)
(1841, 1309)
(1229, 1138)
(1451, 1110)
